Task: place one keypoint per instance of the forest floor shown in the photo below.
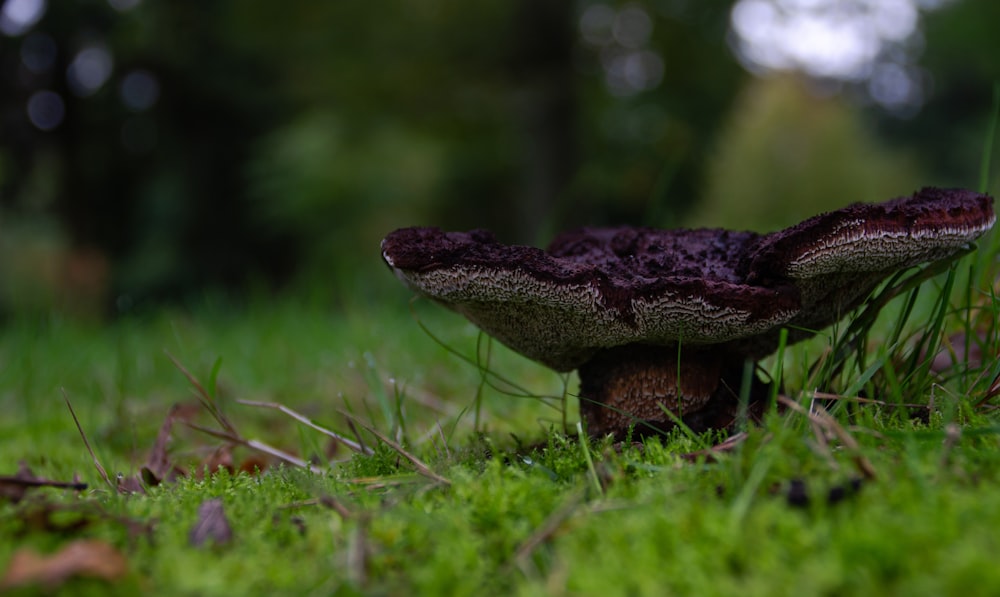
(288, 448)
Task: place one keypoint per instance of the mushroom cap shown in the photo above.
(930, 225)
(595, 288)
(598, 288)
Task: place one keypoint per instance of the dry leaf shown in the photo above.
(13, 487)
(65, 519)
(220, 458)
(254, 465)
(158, 468)
(90, 558)
(212, 525)
(959, 349)
(130, 484)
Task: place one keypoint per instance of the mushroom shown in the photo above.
(657, 320)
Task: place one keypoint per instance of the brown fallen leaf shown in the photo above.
(130, 484)
(220, 458)
(158, 467)
(85, 557)
(49, 517)
(959, 349)
(13, 487)
(212, 525)
(253, 465)
(68, 519)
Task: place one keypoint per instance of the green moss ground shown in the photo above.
(524, 512)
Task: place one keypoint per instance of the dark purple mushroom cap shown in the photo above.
(930, 225)
(599, 288)
(593, 289)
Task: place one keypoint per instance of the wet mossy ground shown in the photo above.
(907, 505)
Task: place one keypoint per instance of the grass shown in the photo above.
(880, 474)
(875, 498)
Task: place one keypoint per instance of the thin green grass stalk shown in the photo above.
(310, 445)
(867, 374)
(493, 377)
(483, 367)
(473, 362)
(378, 390)
(595, 481)
(949, 409)
(922, 357)
(746, 382)
(894, 388)
(779, 370)
(831, 363)
(967, 330)
(213, 379)
(635, 420)
(992, 374)
(852, 341)
(564, 403)
(904, 315)
(399, 395)
(749, 487)
(687, 431)
(865, 316)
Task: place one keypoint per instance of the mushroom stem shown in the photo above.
(630, 386)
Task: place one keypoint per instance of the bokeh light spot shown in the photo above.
(90, 69)
(621, 38)
(851, 41)
(596, 24)
(18, 16)
(632, 27)
(46, 109)
(139, 90)
(896, 87)
(38, 52)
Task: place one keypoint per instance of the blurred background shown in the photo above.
(151, 152)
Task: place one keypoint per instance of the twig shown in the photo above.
(259, 446)
(354, 430)
(422, 468)
(97, 463)
(204, 397)
(327, 501)
(357, 447)
(19, 482)
(372, 483)
(426, 398)
(444, 442)
(821, 417)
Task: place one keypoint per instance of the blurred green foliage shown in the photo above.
(785, 156)
(281, 141)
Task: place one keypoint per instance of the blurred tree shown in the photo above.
(153, 180)
(785, 155)
(657, 78)
(962, 74)
(192, 144)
